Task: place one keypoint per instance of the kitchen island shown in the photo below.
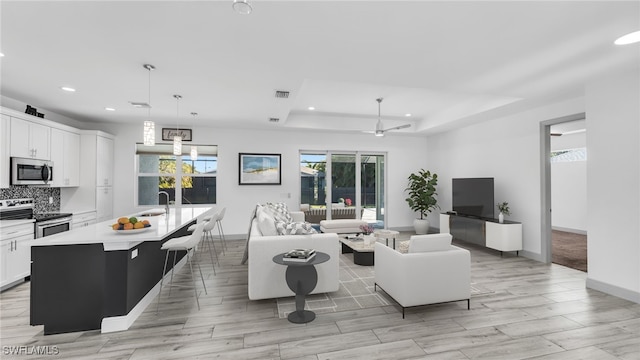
(97, 278)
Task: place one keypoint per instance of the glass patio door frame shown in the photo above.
(358, 177)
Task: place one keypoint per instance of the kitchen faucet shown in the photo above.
(166, 205)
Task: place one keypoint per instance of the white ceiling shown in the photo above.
(446, 63)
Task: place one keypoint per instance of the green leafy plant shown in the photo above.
(503, 207)
(422, 192)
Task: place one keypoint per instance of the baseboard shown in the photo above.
(402, 228)
(569, 230)
(613, 290)
(531, 255)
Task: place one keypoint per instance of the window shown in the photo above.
(158, 172)
(569, 155)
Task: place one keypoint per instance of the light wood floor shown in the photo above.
(533, 310)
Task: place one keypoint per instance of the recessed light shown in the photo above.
(1, 55)
(69, 89)
(630, 38)
(311, 108)
(110, 109)
(407, 115)
(242, 7)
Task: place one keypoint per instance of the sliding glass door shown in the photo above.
(342, 185)
(372, 189)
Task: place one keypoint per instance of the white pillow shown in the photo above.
(427, 243)
(279, 211)
(294, 228)
(266, 222)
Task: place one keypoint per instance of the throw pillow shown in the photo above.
(426, 243)
(266, 222)
(403, 247)
(279, 211)
(294, 228)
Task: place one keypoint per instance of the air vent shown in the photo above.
(281, 94)
(140, 105)
(274, 120)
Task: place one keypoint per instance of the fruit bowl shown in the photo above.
(130, 225)
(132, 231)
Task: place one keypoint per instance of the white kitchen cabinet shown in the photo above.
(65, 154)
(83, 219)
(29, 140)
(104, 203)
(104, 161)
(96, 168)
(5, 150)
(15, 248)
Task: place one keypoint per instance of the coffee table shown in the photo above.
(362, 253)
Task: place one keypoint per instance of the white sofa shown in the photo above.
(433, 271)
(267, 279)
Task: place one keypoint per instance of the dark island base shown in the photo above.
(74, 287)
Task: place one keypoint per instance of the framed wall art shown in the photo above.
(169, 133)
(259, 169)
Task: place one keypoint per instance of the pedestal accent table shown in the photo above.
(302, 278)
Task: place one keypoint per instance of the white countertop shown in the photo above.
(161, 227)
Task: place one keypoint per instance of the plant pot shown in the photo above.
(501, 217)
(421, 226)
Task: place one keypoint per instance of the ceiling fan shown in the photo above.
(379, 127)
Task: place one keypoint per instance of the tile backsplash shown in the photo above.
(40, 197)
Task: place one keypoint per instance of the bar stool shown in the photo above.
(219, 218)
(184, 243)
(208, 227)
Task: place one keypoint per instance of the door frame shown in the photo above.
(545, 181)
(358, 180)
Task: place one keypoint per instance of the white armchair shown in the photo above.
(434, 271)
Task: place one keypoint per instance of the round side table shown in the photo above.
(302, 278)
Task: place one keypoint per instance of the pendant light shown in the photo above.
(177, 139)
(149, 133)
(194, 148)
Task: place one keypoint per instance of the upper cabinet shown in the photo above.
(104, 161)
(65, 154)
(5, 150)
(29, 140)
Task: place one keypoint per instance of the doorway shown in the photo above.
(343, 185)
(564, 156)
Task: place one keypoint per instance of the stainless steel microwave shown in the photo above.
(31, 171)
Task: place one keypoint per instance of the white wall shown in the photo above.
(405, 154)
(613, 173)
(569, 187)
(507, 149)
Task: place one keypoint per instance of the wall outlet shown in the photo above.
(50, 199)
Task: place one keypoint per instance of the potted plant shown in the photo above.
(503, 207)
(422, 197)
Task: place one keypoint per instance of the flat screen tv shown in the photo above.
(473, 197)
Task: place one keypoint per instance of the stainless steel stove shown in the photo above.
(45, 223)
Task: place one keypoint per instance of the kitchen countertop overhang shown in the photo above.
(161, 227)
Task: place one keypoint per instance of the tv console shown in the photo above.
(506, 236)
